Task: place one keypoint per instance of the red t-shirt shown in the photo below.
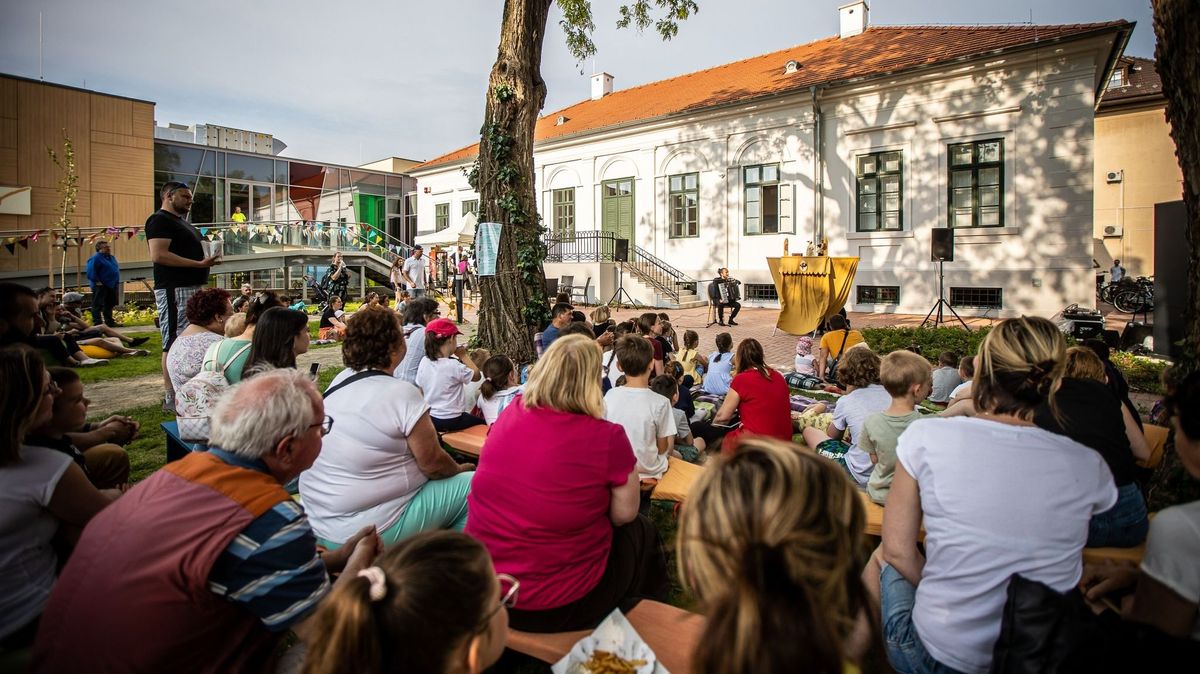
(763, 405)
(540, 498)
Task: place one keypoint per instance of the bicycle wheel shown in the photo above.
(1128, 301)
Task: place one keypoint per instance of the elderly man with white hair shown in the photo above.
(207, 563)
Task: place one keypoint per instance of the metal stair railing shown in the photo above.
(600, 246)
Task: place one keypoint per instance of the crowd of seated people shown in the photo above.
(395, 554)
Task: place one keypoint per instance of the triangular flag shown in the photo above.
(34, 237)
(25, 243)
(129, 233)
(12, 248)
(204, 231)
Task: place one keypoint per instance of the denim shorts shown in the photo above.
(905, 651)
(1124, 525)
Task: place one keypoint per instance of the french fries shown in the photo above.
(604, 662)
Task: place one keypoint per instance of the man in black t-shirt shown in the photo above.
(180, 267)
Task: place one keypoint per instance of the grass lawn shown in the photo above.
(128, 367)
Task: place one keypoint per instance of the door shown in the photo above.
(616, 215)
(256, 201)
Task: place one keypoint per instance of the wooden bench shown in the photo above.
(469, 441)
(672, 633)
(1090, 555)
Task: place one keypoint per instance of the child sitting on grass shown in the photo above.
(645, 415)
(907, 378)
(945, 378)
(690, 357)
(687, 447)
(804, 358)
(859, 373)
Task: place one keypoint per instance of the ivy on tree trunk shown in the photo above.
(513, 303)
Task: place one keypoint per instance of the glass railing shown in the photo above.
(272, 237)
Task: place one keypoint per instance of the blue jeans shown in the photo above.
(904, 648)
(416, 292)
(1124, 525)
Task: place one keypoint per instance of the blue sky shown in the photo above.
(355, 80)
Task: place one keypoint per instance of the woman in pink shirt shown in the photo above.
(555, 500)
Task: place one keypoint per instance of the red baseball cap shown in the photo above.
(442, 327)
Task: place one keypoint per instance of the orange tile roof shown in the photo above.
(1142, 84)
(877, 51)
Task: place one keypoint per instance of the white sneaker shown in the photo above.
(91, 362)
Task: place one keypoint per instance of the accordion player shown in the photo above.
(725, 291)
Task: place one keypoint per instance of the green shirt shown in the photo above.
(880, 433)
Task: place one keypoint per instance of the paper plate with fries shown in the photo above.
(613, 648)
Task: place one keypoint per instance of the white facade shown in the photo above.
(1039, 103)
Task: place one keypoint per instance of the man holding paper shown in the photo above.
(181, 266)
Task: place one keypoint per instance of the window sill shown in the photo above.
(768, 234)
(960, 232)
(881, 234)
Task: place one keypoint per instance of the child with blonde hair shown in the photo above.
(907, 377)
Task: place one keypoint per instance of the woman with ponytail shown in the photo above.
(998, 496)
(432, 604)
(771, 544)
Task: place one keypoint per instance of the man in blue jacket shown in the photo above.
(105, 277)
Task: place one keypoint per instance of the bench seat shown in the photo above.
(672, 633)
(469, 441)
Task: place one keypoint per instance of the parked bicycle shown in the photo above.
(1133, 296)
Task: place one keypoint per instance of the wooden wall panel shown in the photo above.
(44, 112)
(112, 115)
(102, 209)
(8, 132)
(122, 140)
(8, 166)
(125, 170)
(8, 97)
(132, 210)
(142, 115)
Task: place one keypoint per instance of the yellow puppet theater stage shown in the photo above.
(810, 289)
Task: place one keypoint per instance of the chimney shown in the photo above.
(853, 18)
(601, 85)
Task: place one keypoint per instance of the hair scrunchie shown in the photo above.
(378, 581)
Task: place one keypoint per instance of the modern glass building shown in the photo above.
(277, 189)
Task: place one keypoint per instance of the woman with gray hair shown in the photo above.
(382, 465)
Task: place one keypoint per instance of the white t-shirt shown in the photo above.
(962, 388)
(646, 417)
(27, 560)
(443, 381)
(1173, 553)
(850, 412)
(492, 407)
(804, 365)
(614, 370)
(997, 499)
(414, 341)
(366, 473)
(414, 268)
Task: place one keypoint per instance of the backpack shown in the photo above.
(196, 400)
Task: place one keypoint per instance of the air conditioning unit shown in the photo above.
(1114, 230)
(1115, 176)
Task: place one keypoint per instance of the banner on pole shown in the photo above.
(487, 247)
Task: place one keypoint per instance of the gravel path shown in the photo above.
(121, 394)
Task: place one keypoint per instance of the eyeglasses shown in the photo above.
(509, 587)
(326, 425)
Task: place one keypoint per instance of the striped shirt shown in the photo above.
(272, 568)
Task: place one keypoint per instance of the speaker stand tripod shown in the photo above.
(941, 302)
(621, 292)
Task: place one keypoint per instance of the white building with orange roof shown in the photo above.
(869, 139)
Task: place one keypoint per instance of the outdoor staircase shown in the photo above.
(669, 287)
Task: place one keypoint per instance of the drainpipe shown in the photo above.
(818, 168)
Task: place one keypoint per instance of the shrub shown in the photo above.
(131, 315)
(932, 341)
(1143, 374)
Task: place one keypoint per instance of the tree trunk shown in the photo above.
(516, 93)
(1177, 27)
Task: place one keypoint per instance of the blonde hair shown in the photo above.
(772, 544)
(1083, 363)
(1017, 365)
(601, 314)
(235, 325)
(901, 370)
(567, 378)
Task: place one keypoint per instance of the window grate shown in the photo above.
(761, 292)
(879, 294)
(984, 298)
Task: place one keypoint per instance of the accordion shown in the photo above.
(725, 291)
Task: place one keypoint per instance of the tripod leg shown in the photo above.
(928, 315)
(960, 320)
